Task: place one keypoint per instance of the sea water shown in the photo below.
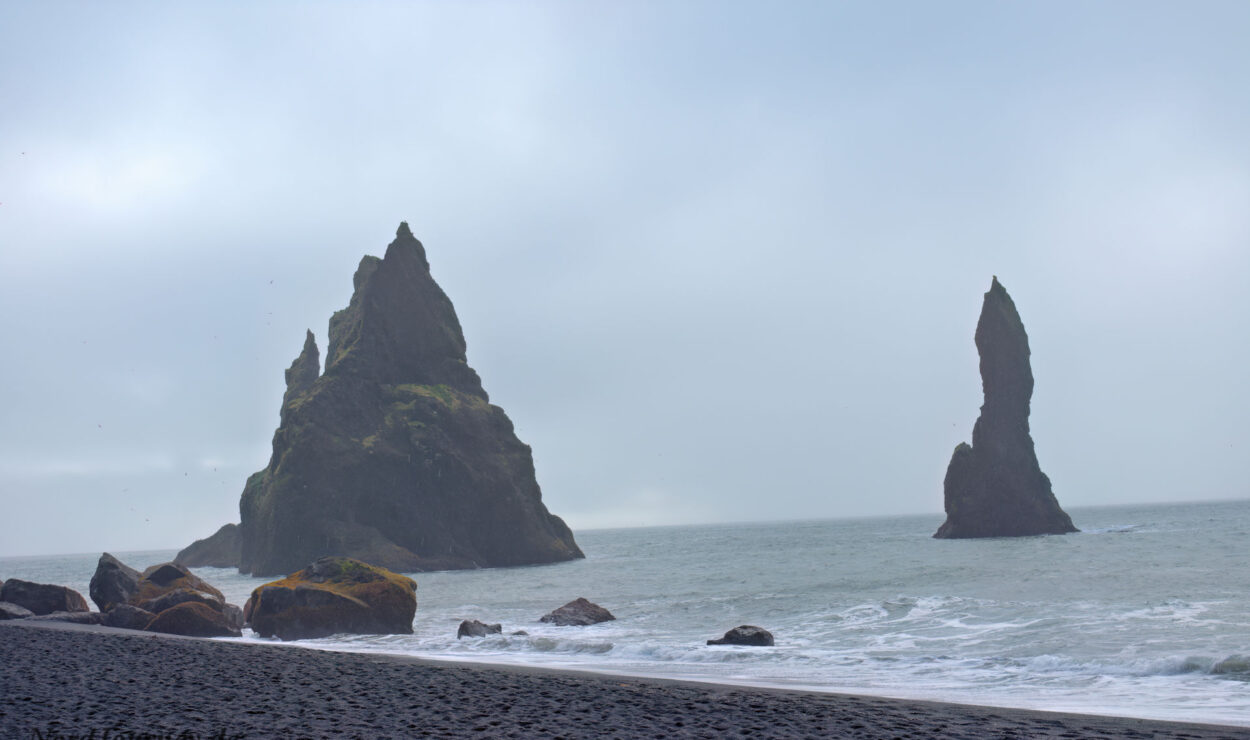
(1145, 612)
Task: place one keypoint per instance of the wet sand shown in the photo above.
(61, 681)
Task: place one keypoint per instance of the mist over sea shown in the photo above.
(1144, 613)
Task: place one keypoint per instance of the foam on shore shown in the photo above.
(69, 680)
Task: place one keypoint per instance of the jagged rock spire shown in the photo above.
(400, 327)
(393, 455)
(995, 487)
(304, 370)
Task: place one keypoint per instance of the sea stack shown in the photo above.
(994, 487)
(394, 455)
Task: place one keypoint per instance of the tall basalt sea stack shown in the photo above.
(995, 488)
(394, 455)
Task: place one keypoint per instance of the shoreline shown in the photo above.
(64, 680)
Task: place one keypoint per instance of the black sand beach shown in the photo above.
(62, 681)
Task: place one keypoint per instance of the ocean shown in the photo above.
(1144, 613)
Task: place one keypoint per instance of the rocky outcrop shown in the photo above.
(14, 611)
(133, 600)
(304, 371)
(745, 635)
(219, 550)
(193, 619)
(334, 595)
(394, 455)
(578, 613)
(994, 487)
(474, 628)
(42, 598)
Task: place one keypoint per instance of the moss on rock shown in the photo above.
(334, 595)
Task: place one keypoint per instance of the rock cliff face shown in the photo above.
(995, 488)
(394, 455)
(219, 550)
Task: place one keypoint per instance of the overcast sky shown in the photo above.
(717, 261)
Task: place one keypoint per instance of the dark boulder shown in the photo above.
(233, 615)
(578, 613)
(331, 596)
(80, 617)
(193, 619)
(127, 617)
(156, 590)
(394, 455)
(474, 628)
(995, 487)
(14, 611)
(113, 582)
(42, 598)
(219, 550)
(166, 578)
(745, 635)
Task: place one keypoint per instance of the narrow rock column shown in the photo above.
(995, 487)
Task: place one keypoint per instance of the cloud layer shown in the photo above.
(717, 261)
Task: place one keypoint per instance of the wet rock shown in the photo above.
(995, 487)
(14, 611)
(42, 598)
(474, 628)
(192, 619)
(578, 613)
(746, 634)
(394, 455)
(233, 615)
(220, 550)
(127, 617)
(334, 595)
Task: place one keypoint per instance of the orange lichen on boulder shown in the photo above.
(165, 578)
(331, 596)
(193, 619)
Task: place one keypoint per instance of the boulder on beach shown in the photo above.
(42, 598)
(113, 582)
(474, 628)
(127, 617)
(746, 634)
(14, 611)
(192, 619)
(334, 595)
(158, 589)
(995, 487)
(394, 454)
(163, 579)
(79, 617)
(578, 613)
(219, 550)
